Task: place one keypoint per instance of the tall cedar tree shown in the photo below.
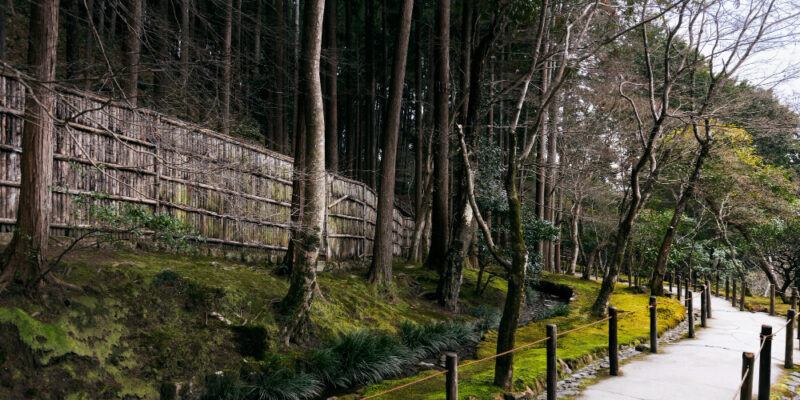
(297, 303)
(23, 260)
(381, 269)
(440, 221)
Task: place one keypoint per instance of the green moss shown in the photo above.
(48, 340)
(529, 364)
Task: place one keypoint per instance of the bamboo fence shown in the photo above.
(235, 193)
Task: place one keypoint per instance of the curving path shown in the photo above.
(707, 367)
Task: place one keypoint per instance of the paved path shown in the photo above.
(707, 368)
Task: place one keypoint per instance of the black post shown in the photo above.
(451, 363)
(789, 358)
(688, 283)
(716, 284)
(552, 361)
(747, 374)
(679, 288)
(771, 299)
(653, 326)
(690, 315)
(703, 308)
(744, 293)
(794, 298)
(764, 362)
(733, 293)
(708, 300)
(613, 346)
(727, 288)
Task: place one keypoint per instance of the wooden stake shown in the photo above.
(764, 362)
(613, 347)
(747, 374)
(653, 325)
(451, 363)
(552, 361)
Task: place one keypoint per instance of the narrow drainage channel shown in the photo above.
(542, 299)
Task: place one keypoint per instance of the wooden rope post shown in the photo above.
(703, 306)
(727, 288)
(764, 362)
(771, 299)
(788, 362)
(708, 300)
(744, 292)
(733, 293)
(688, 283)
(679, 287)
(613, 345)
(552, 361)
(690, 314)
(716, 284)
(748, 362)
(794, 298)
(451, 378)
(653, 325)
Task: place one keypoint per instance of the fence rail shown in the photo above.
(234, 192)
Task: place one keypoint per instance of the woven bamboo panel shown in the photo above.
(234, 192)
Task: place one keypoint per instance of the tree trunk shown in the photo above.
(369, 106)
(279, 126)
(160, 75)
(133, 47)
(72, 48)
(381, 269)
(23, 260)
(185, 56)
(506, 333)
(330, 97)
(226, 67)
(89, 61)
(440, 223)
(297, 303)
(660, 270)
(574, 231)
(3, 21)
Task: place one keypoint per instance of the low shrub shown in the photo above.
(428, 340)
(488, 317)
(361, 357)
(560, 310)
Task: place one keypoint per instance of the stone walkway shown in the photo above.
(707, 367)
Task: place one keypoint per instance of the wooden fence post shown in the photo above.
(708, 300)
(653, 325)
(716, 284)
(679, 287)
(613, 345)
(764, 362)
(744, 292)
(703, 307)
(794, 298)
(771, 299)
(451, 364)
(789, 358)
(690, 314)
(727, 288)
(747, 374)
(687, 285)
(552, 361)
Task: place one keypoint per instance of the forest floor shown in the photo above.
(145, 319)
(707, 367)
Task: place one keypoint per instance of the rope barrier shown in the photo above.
(405, 385)
(473, 362)
(741, 383)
